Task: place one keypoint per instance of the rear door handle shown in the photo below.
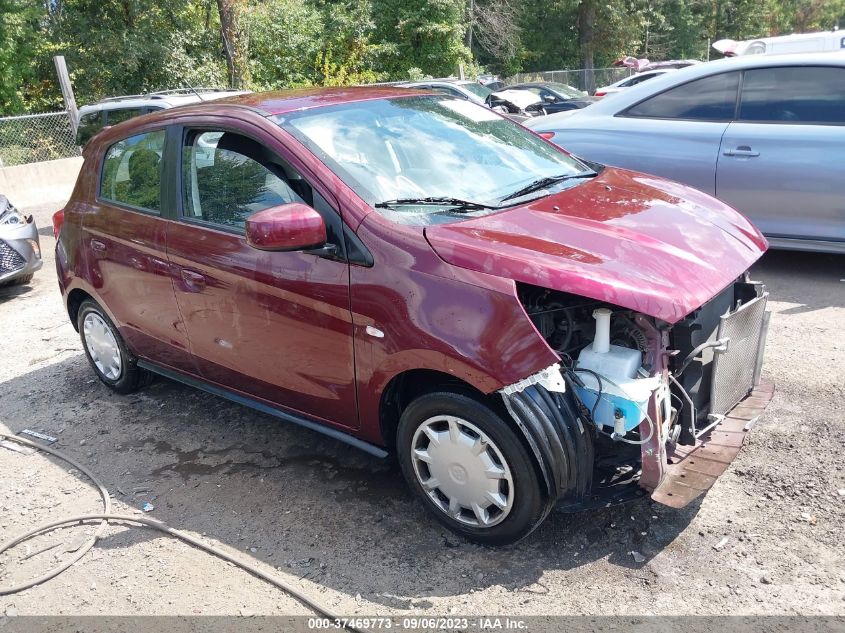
(742, 150)
(194, 282)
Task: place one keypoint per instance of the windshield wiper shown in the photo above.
(542, 183)
(456, 203)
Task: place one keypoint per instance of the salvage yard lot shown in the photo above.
(341, 525)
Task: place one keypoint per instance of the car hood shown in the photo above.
(635, 241)
(520, 98)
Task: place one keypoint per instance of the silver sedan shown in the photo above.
(765, 134)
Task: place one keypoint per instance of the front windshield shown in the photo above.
(422, 147)
(477, 89)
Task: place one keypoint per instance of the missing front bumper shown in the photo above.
(692, 470)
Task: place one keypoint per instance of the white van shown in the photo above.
(823, 41)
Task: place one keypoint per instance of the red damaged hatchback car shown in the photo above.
(412, 273)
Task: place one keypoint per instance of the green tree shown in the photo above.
(283, 43)
(25, 58)
(426, 34)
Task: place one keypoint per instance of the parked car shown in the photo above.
(557, 97)
(413, 273)
(491, 81)
(821, 41)
(460, 88)
(765, 134)
(95, 116)
(20, 248)
(516, 105)
(633, 80)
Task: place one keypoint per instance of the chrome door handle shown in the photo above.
(742, 150)
(98, 247)
(194, 282)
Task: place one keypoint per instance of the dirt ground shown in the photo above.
(341, 525)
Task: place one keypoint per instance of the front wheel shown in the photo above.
(470, 468)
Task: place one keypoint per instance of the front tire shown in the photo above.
(111, 360)
(469, 468)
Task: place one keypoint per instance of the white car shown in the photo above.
(633, 80)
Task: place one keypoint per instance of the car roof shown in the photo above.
(270, 104)
(619, 101)
(285, 101)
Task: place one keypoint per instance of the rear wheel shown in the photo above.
(469, 468)
(112, 362)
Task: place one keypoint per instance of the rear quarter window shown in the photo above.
(131, 173)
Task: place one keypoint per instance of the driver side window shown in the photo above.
(226, 177)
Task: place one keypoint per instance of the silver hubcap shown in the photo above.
(102, 346)
(462, 470)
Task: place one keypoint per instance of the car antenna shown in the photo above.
(194, 90)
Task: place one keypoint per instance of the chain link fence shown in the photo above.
(32, 138)
(574, 78)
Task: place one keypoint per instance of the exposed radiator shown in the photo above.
(735, 365)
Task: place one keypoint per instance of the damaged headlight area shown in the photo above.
(20, 249)
(636, 403)
(9, 215)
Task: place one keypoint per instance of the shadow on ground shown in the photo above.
(305, 502)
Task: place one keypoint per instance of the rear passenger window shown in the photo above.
(132, 172)
(794, 95)
(708, 99)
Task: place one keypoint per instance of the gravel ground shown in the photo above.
(341, 525)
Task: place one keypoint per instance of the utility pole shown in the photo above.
(67, 91)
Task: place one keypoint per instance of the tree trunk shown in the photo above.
(470, 24)
(586, 34)
(233, 41)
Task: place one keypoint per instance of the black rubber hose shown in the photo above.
(106, 516)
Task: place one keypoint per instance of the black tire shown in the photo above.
(131, 377)
(529, 506)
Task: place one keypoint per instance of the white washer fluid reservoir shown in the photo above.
(624, 399)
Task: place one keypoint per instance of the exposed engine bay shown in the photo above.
(642, 386)
(604, 353)
(517, 104)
